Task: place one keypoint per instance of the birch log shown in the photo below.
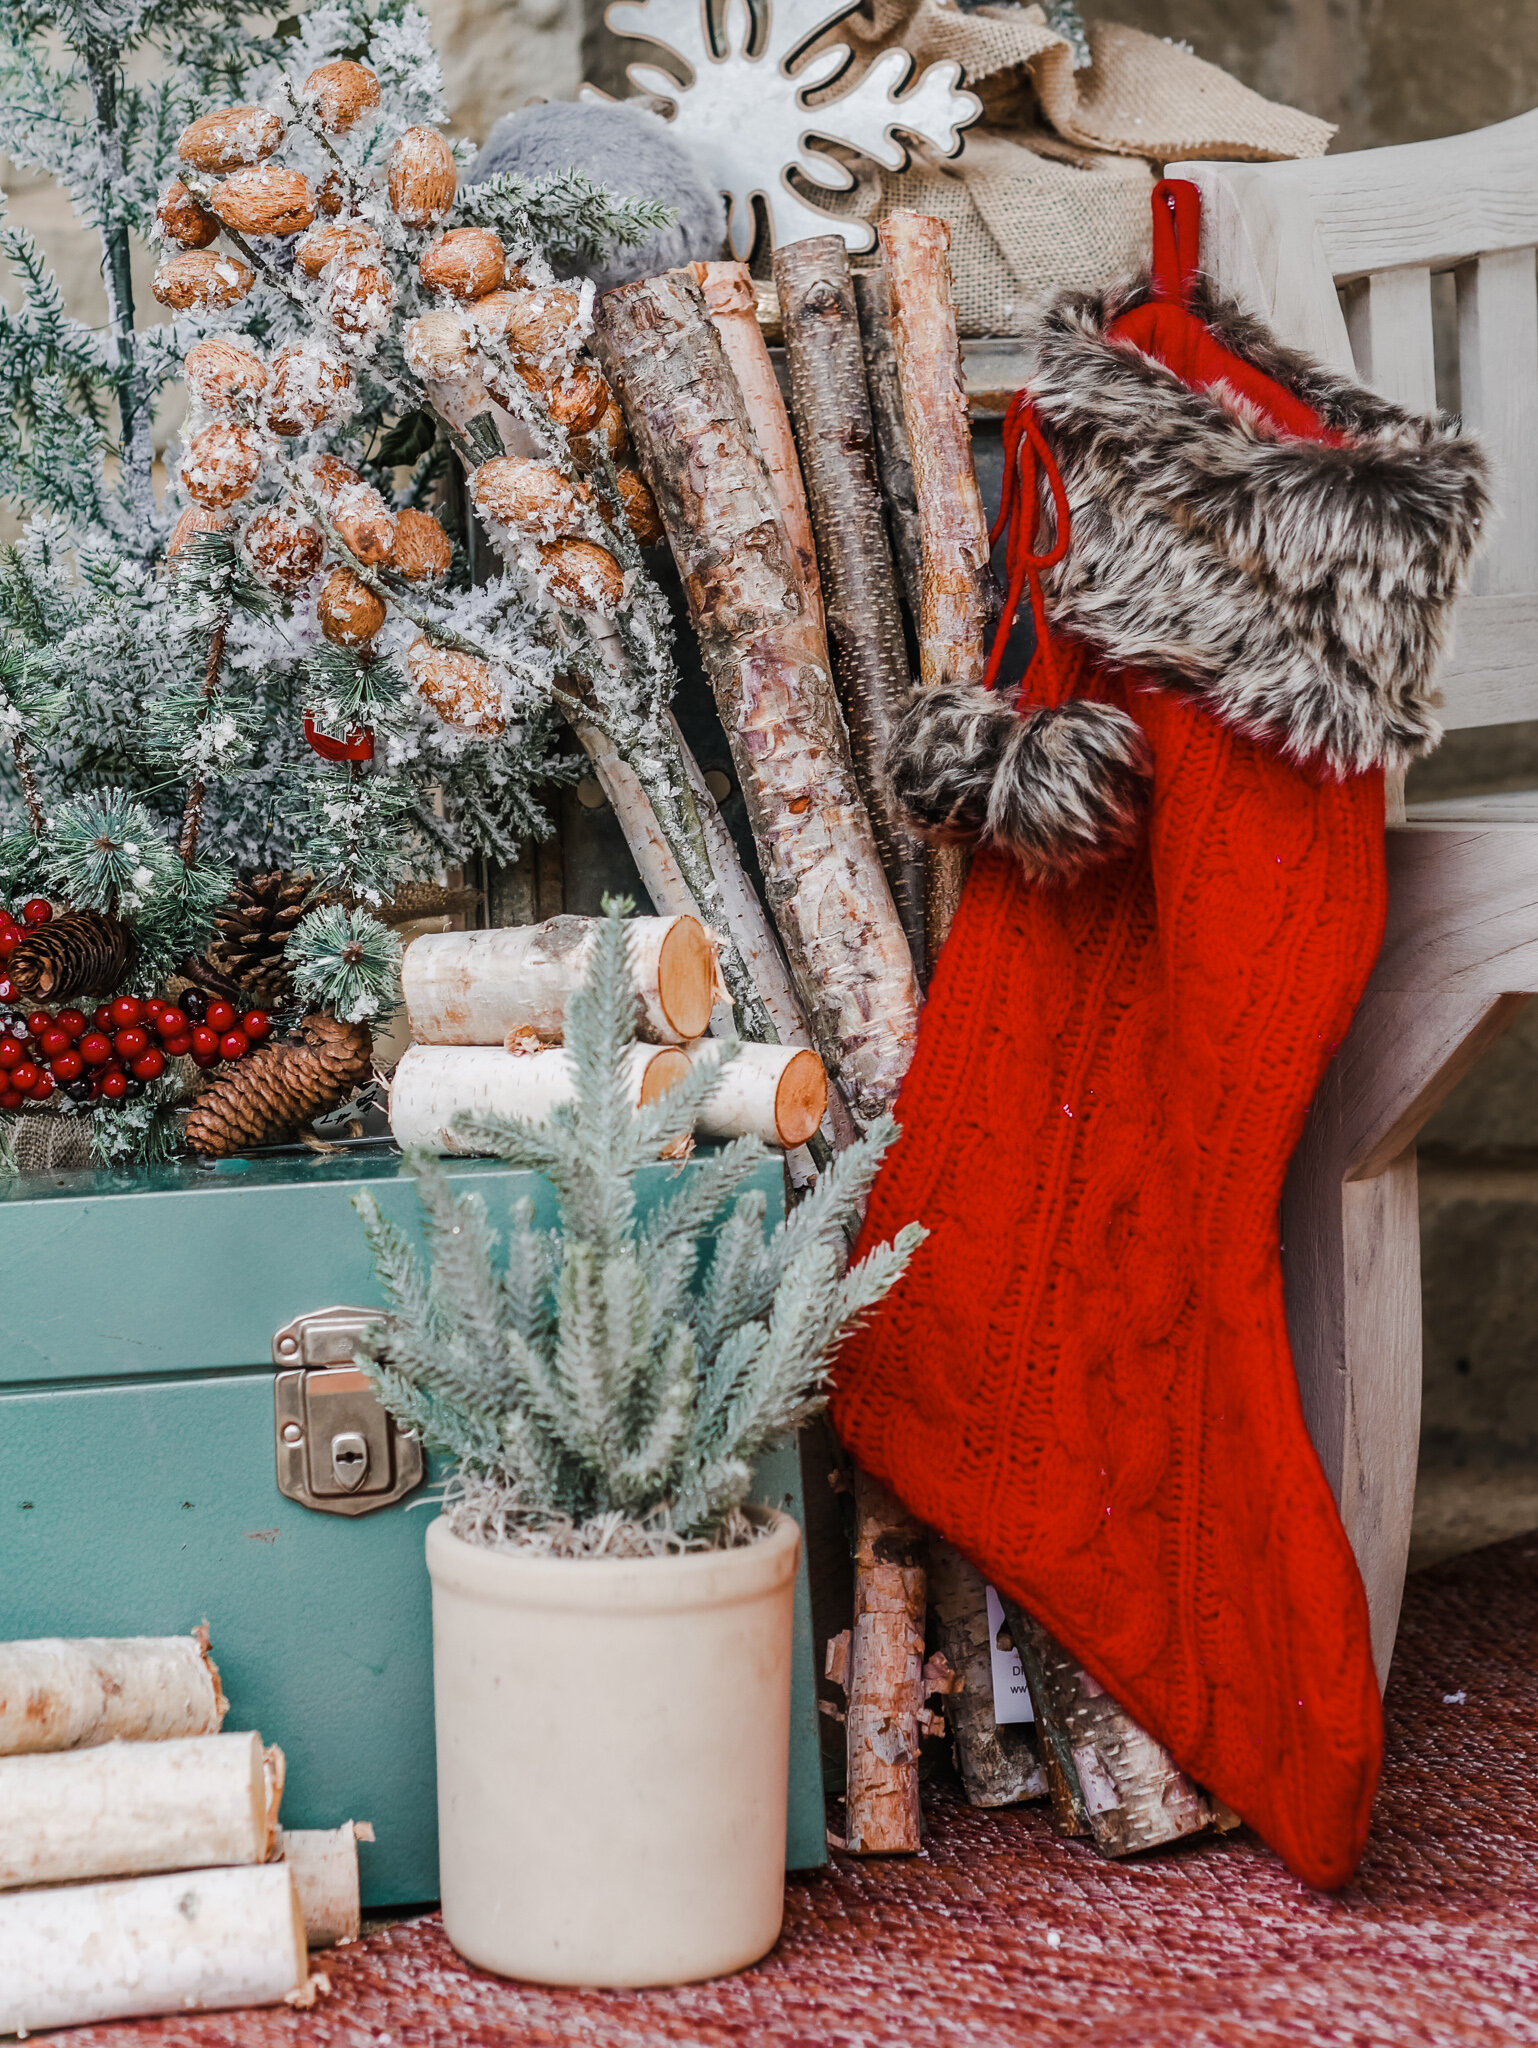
(57, 1694)
(128, 1807)
(474, 988)
(764, 656)
(894, 464)
(1108, 1777)
(775, 1092)
(203, 1941)
(865, 628)
(714, 888)
(433, 1084)
(999, 1763)
(323, 1863)
(956, 597)
(733, 304)
(886, 1675)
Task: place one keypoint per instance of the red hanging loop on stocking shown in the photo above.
(1027, 461)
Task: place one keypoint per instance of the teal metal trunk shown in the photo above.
(138, 1472)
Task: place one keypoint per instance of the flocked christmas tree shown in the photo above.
(612, 1382)
(270, 683)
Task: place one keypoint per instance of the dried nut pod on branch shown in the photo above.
(540, 323)
(331, 194)
(610, 435)
(222, 464)
(439, 349)
(202, 277)
(352, 239)
(359, 513)
(349, 612)
(284, 550)
(230, 139)
(460, 688)
(467, 263)
(578, 402)
(358, 298)
(265, 199)
(80, 953)
(423, 552)
(281, 1086)
(222, 375)
(341, 93)
(533, 498)
(640, 507)
(309, 387)
(582, 576)
(195, 520)
(181, 219)
(422, 177)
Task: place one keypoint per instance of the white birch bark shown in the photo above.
(475, 988)
(127, 1807)
(768, 668)
(957, 590)
(778, 1093)
(57, 1694)
(435, 1083)
(728, 290)
(323, 1863)
(199, 1941)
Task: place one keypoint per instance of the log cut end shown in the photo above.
(664, 1070)
(801, 1099)
(686, 978)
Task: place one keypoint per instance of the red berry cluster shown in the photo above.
(113, 1055)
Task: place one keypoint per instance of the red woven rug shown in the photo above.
(1001, 1934)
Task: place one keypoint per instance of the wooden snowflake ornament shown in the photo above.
(745, 113)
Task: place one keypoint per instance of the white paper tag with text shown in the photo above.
(1011, 1694)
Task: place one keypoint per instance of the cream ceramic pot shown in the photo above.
(613, 1758)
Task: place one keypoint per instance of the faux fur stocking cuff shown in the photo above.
(1057, 788)
(1302, 589)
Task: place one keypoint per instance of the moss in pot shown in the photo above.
(611, 1621)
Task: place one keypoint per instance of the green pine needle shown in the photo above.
(346, 962)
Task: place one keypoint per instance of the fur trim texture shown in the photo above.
(1302, 590)
(1057, 787)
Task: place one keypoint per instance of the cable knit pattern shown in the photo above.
(1084, 1380)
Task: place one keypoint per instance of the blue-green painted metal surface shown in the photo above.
(137, 1488)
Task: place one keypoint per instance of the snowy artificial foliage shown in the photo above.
(618, 1368)
(346, 962)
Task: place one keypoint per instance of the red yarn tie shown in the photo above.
(1027, 459)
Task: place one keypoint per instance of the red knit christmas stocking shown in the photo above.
(1084, 1380)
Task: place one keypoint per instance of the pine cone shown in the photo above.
(78, 953)
(286, 1083)
(245, 957)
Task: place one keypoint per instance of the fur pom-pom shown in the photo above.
(1057, 787)
(635, 154)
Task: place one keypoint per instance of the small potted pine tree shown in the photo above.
(611, 1618)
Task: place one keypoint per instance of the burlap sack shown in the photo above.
(1024, 224)
(1033, 210)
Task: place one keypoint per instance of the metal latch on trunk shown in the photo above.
(338, 1451)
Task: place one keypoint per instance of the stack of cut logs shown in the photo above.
(112, 1767)
(487, 1012)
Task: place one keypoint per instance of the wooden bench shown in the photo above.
(1338, 255)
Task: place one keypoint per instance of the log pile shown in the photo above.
(487, 1012)
(142, 1868)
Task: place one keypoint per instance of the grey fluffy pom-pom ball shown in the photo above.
(633, 152)
(1058, 787)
